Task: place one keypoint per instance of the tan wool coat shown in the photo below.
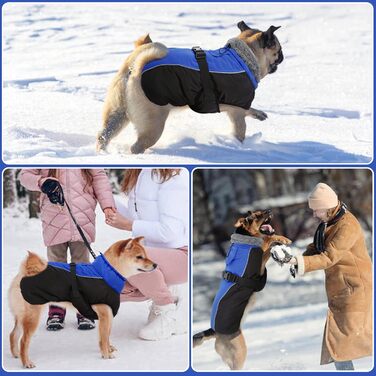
(348, 283)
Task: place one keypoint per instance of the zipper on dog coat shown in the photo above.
(96, 283)
(175, 79)
(243, 260)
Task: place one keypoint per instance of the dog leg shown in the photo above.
(201, 337)
(238, 123)
(14, 338)
(30, 323)
(114, 122)
(232, 349)
(257, 114)
(150, 132)
(104, 327)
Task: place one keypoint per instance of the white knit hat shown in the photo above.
(322, 197)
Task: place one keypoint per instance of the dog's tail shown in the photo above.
(201, 337)
(115, 113)
(144, 39)
(34, 264)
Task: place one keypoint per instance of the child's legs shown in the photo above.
(171, 270)
(57, 252)
(79, 253)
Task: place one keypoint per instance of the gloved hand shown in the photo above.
(281, 254)
(54, 191)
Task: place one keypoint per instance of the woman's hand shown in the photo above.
(116, 220)
(293, 261)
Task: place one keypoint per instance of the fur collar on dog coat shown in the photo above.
(175, 79)
(244, 259)
(97, 283)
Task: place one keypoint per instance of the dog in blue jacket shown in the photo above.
(155, 79)
(93, 289)
(244, 275)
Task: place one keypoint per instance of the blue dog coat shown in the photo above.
(175, 79)
(97, 283)
(244, 259)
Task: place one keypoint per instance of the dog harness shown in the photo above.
(81, 284)
(179, 79)
(240, 280)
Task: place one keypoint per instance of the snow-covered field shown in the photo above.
(284, 329)
(58, 60)
(72, 349)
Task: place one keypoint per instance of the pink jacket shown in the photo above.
(82, 198)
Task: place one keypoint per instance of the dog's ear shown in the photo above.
(268, 38)
(240, 222)
(139, 239)
(243, 26)
(123, 245)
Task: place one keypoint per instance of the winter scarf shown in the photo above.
(319, 238)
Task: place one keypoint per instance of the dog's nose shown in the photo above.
(269, 211)
(155, 265)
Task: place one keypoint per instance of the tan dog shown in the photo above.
(126, 100)
(127, 257)
(231, 345)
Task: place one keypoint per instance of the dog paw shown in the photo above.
(29, 364)
(137, 149)
(260, 115)
(112, 348)
(108, 356)
(257, 114)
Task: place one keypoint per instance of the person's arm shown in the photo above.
(310, 250)
(31, 179)
(173, 209)
(341, 241)
(102, 189)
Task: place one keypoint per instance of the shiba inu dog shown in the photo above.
(245, 274)
(94, 289)
(155, 79)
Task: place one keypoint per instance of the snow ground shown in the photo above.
(76, 350)
(58, 60)
(284, 329)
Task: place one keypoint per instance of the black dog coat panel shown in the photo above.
(243, 260)
(175, 79)
(97, 283)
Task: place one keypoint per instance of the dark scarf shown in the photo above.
(319, 238)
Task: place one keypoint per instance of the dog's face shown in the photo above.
(257, 223)
(129, 258)
(265, 46)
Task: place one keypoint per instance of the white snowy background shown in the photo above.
(58, 60)
(284, 329)
(72, 349)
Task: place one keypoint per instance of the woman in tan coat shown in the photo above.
(339, 249)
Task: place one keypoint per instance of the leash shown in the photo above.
(80, 230)
(55, 193)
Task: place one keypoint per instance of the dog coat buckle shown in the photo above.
(228, 276)
(199, 53)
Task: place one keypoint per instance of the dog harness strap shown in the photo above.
(255, 284)
(207, 82)
(77, 299)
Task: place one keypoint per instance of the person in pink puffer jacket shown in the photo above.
(83, 189)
